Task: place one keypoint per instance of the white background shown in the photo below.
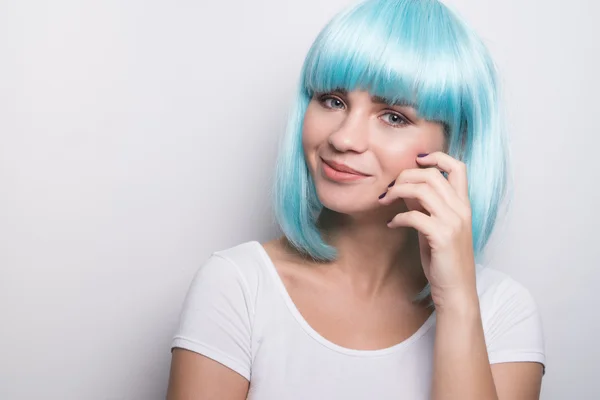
(136, 137)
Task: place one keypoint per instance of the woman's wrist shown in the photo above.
(464, 303)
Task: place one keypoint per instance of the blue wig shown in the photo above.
(413, 51)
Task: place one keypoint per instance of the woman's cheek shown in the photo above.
(408, 158)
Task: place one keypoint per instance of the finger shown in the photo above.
(457, 171)
(427, 196)
(414, 219)
(432, 177)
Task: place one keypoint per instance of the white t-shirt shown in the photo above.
(239, 313)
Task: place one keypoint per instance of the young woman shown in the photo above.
(387, 188)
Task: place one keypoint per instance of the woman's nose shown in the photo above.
(352, 135)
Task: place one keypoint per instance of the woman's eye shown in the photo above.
(332, 102)
(395, 119)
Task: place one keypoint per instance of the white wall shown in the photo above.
(136, 137)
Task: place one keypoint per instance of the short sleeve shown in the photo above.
(216, 317)
(514, 330)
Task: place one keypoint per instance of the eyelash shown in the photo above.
(404, 120)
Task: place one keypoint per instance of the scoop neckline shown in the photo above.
(320, 338)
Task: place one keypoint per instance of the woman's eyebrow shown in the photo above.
(400, 102)
(382, 100)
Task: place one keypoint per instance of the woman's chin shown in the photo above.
(348, 205)
(357, 204)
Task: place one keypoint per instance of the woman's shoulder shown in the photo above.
(251, 261)
(241, 255)
(505, 303)
(511, 319)
(244, 261)
(498, 286)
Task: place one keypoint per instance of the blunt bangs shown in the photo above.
(403, 51)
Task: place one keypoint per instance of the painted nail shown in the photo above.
(382, 195)
(422, 154)
(392, 184)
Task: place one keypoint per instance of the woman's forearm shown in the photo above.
(461, 365)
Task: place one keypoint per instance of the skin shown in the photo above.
(363, 300)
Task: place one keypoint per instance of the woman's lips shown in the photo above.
(340, 172)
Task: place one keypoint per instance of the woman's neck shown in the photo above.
(371, 256)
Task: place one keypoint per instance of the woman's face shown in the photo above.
(374, 139)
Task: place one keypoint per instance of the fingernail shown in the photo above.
(422, 154)
(392, 184)
(382, 195)
(389, 221)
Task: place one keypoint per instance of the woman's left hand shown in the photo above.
(442, 218)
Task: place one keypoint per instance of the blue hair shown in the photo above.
(414, 52)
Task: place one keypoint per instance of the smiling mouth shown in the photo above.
(341, 173)
(342, 168)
